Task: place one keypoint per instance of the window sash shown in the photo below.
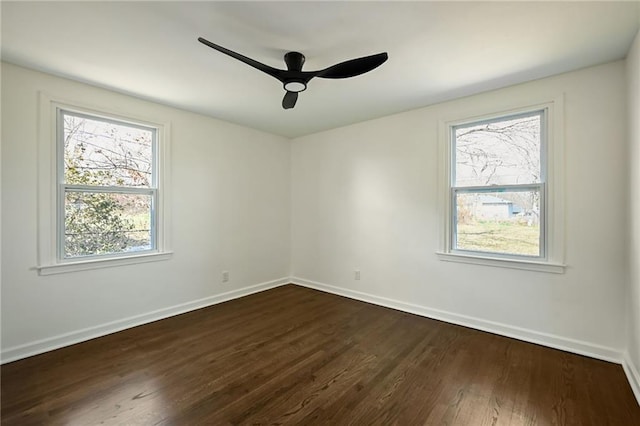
(540, 188)
(542, 113)
(61, 112)
(65, 189)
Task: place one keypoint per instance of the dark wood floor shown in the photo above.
(298, 356)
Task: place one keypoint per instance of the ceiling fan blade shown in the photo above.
(274, 72)
(353, 67)
(289, 100)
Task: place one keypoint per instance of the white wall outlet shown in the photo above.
(356, 274)
(225, 276)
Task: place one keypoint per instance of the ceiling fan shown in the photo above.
(294, 79)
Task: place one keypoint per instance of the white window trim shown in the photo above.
(48, 262)
(554, 186)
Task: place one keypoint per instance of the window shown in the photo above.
(497, 186)
(108, 186)
(500, 205)
(103, 183)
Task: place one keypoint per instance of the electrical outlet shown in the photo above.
(225, 276)
(357, 274)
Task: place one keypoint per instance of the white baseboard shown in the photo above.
(40, 346)
(557, 342)
(633, 375)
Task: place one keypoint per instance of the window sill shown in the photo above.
(529, 265)
(84, 265)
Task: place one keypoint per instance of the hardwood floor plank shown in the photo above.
(293, 355)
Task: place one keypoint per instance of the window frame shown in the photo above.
(64, 188)
(52, 189)
(550, 187)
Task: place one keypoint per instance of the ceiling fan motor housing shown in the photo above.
(294, 61)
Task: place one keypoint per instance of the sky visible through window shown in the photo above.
(499, 153)
(114, 154)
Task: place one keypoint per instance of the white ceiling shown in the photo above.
(437, 51)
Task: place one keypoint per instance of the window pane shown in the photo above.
(505, 152)
(106, 223)
(104, 153)
(499, 222)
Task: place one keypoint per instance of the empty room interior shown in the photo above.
(320, 213)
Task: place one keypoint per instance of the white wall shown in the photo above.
(633, 91)
(230, 209)
(359, 197)
(365, 197)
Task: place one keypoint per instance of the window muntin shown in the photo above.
(497, 186)
(107, 190)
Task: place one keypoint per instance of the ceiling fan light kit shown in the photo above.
(294, 80)
(295, 86)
